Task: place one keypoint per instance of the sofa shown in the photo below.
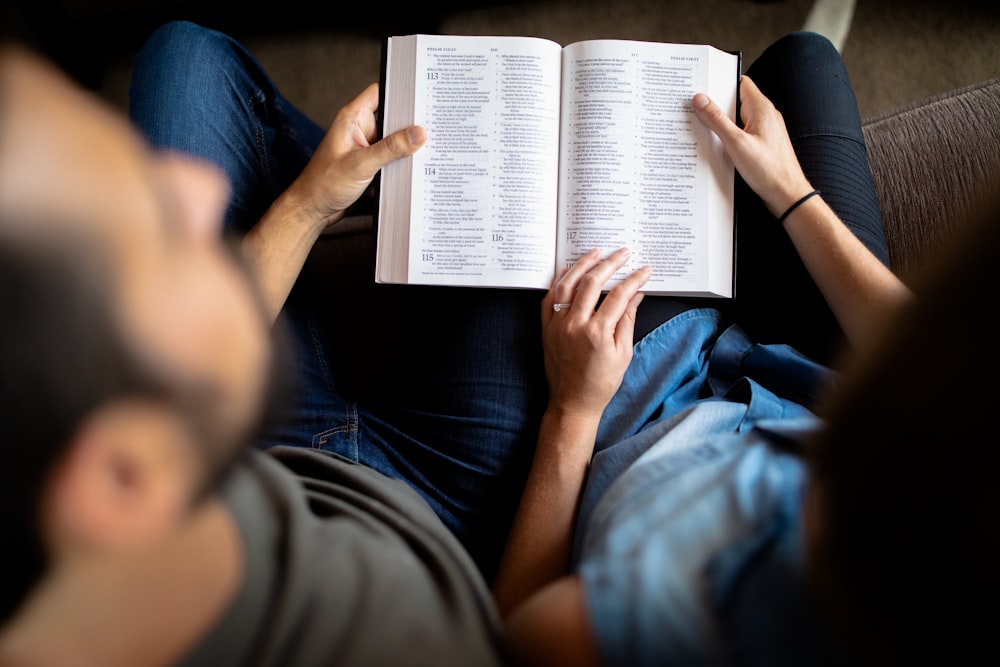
(933, 162)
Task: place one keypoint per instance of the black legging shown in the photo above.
(776, 300)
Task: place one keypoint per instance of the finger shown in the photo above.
(558, 277)
(750, 93)
(712, 116)
(590, 285)
(754, 105)
(363, 108)
(399, 144)
(366, 101)
(564, 289)
(617, 302)
(358, 113)
(625, 328)
(549, 297)
(549, 294)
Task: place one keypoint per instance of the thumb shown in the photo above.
(713, 117)
(399, 144)
(402, 143)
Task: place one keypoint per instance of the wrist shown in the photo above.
(566, 439)
(572, 417)
(798, 203)
(784, 193)
(298, 208)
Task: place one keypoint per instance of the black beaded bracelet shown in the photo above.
(794, 206)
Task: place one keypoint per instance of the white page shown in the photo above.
(485, 183)
(639, 169)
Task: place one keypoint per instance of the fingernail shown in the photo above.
(414, 135)
(700, 100)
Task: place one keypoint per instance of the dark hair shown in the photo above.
(907, 468)
(61, 356)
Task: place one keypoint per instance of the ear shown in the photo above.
(126, 480)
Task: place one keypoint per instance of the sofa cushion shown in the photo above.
(933, 162)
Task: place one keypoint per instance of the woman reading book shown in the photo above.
(666, 498)
(456, 408)
(672, 515)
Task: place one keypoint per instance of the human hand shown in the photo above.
(346, 160)
(761, 151)
(587, 348)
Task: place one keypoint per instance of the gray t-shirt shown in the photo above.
(346, 567)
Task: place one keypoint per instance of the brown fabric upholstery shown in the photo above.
(933, 162)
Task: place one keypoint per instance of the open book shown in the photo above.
(537, 153)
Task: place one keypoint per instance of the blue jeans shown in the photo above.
(444, 387)
(441, 387)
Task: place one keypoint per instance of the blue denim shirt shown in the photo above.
(688, 541)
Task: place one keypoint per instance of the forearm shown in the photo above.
(859, 289)
(277, 247)
(538, 548)
(587, 350)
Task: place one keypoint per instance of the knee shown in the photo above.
(803, 45)
(180, 47)
(798, 62)
(180, 81)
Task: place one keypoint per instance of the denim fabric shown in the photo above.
(444, 387)
(693, 358)
(441, 387)
(200, 92)
(687, 542)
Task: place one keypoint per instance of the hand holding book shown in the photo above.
(761, 150)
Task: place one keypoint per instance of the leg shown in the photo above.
(441, 387)
(447, 389)
(777, 301)
(198, 91)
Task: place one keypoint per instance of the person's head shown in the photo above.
(905, 493)
(135, 356)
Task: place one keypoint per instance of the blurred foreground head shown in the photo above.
(905, 476)
(135, 358)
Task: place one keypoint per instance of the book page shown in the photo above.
(484, 187)
(640, 170)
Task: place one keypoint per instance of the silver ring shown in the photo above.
(556, 307)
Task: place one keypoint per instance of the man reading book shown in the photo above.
(136, 365)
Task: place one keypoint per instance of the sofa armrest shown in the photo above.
(933, 161)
